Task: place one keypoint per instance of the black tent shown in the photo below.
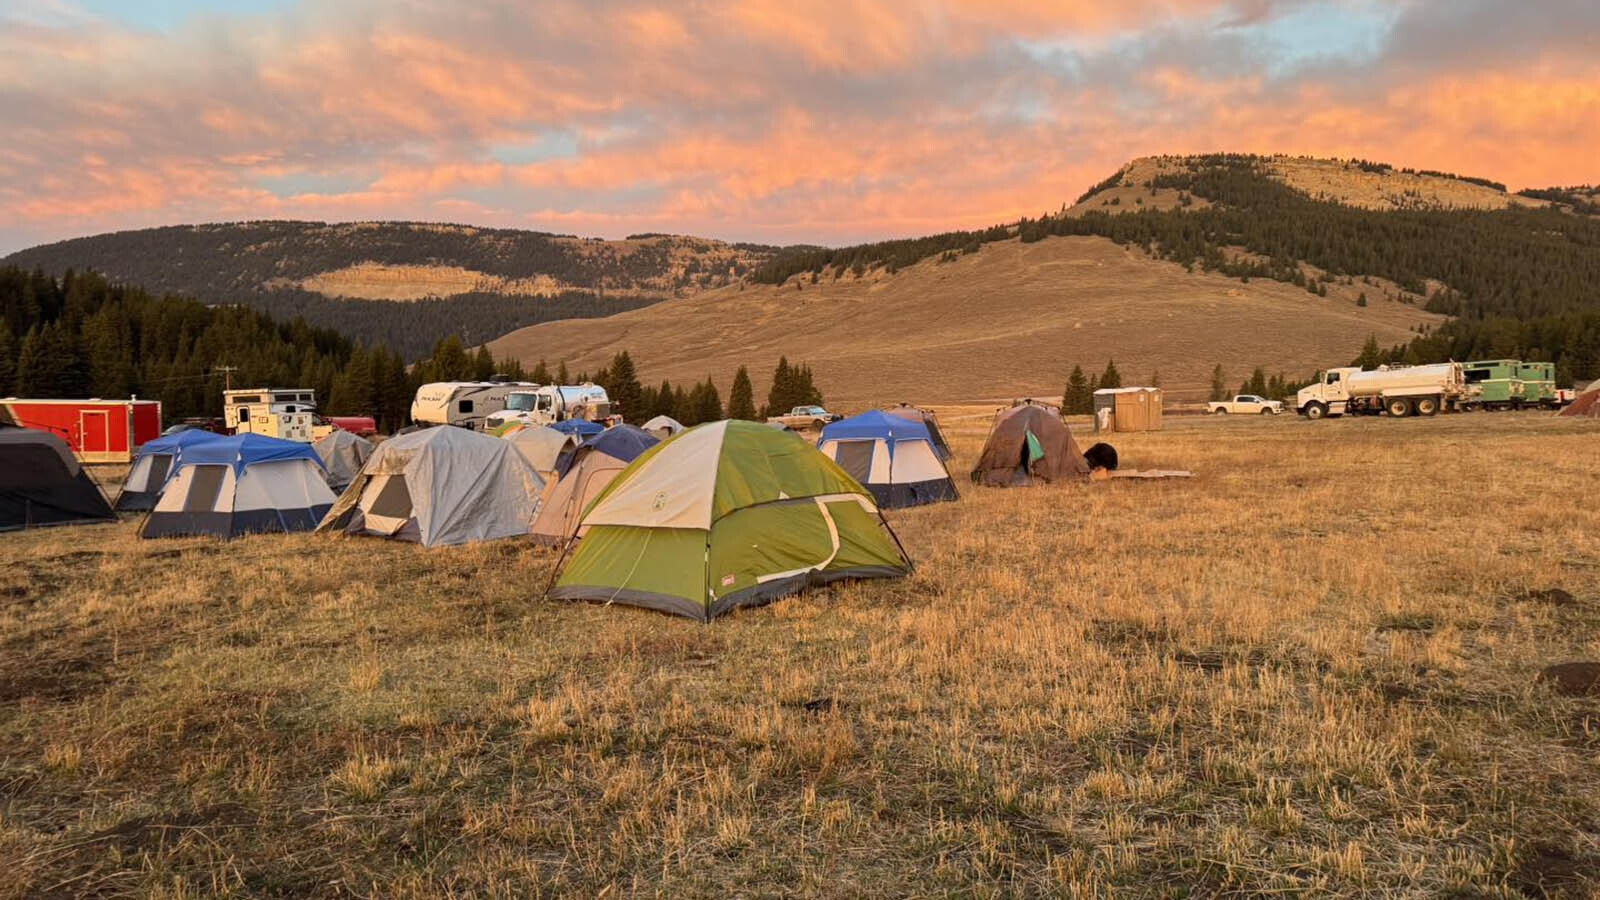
(41, 483)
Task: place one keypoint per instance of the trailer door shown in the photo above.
(94, 432)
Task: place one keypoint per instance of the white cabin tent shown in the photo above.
(157, 462)
(247, 484)
(663, 427)
(892, 457)
(343, 454)
(439, 487)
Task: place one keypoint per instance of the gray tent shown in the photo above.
(663, 427)
(343, 454)
(440, 486)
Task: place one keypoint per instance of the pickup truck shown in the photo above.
(802, 417)
(1245, 404)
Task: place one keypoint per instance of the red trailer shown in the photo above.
(98, 431)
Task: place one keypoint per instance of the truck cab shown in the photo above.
(289, 414)
(1328, 395)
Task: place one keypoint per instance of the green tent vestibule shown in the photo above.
(725, 515)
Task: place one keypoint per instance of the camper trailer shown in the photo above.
(552, 403)
(465, 404)
(289, 414)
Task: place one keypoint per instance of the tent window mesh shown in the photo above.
(855, 458)
(159, 464)
(204, 488)
(393, 500)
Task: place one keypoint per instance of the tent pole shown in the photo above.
(556, 572)
(902, 547)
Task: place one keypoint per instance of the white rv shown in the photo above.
(465, 404)
(552, 403)
(286, 413)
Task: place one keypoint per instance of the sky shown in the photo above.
(824, 121)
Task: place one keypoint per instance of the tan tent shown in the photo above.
(589, 469)
(541, 446)
(1028, 443)
(663, 427)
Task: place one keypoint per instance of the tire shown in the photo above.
(1219, 412)
(1315, 410)
(1268, 412)
(1399, 407)
(1427, 406)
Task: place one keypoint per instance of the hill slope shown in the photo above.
(476, 282)
(1010, 319)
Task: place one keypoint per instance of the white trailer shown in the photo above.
(552, 403)
(286, 413)
(1394, 390)
(465, 404)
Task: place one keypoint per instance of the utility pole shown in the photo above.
(227, 375)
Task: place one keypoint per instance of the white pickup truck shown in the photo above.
(1245, 405)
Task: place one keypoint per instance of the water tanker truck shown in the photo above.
(1393, 390)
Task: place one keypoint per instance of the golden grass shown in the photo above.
(1025, 310)
(1307, 670)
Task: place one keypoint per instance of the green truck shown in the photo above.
(1511, 384)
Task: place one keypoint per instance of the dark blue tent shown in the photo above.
(155, 464)
(623, 442)
(894, 458)
(580, 427)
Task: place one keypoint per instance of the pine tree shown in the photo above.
(623, 387)
(1076, 399)
(707, 403)
(1257, 384)
(782, 390)
(1371, 354)
(8, 358)
(1155, 379)
(741, 397)
(1111, 378)
(666, 402)
(30, 364)
(1362, 300)
(562, 377)
(483, 365)
(540, 374)
(1219, 384)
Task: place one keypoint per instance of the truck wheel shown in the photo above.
(1219, 412)
(1427, 406)
(1399, 407)
(1267, 411)
(1316, 410)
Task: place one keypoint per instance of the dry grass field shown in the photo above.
(1309, 670)
(1026, 310)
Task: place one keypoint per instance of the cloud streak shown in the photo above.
(833, 121)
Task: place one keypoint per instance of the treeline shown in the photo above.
(891, 254)
(82, 336)
(1580, 198)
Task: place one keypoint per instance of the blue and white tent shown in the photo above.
(246, 484)
(154, 466)
(895, 459)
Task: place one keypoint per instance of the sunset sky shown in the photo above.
(779, 121)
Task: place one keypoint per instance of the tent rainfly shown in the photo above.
(585, 473)
(663, 427)
(343, 454)
(892, 457)
(725, 515)
(42, 483)
(1028, 443)
(541, 446)
(929, 420)
(153, 468)
(246, 484)
(439, 487)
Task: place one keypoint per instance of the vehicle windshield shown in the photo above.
(520, 402)
(810, 410)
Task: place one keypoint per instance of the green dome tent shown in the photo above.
(725, 515)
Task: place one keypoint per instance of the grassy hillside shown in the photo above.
(1220, 690)
(477, 282)
(1008, 320)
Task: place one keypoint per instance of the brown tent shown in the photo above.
(1028, 442)
(1586, 403)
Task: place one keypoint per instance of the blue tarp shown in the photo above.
(579, 427)
(242, 450)
(875, 425)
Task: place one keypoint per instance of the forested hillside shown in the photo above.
(1522, 281)
(477, 283)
